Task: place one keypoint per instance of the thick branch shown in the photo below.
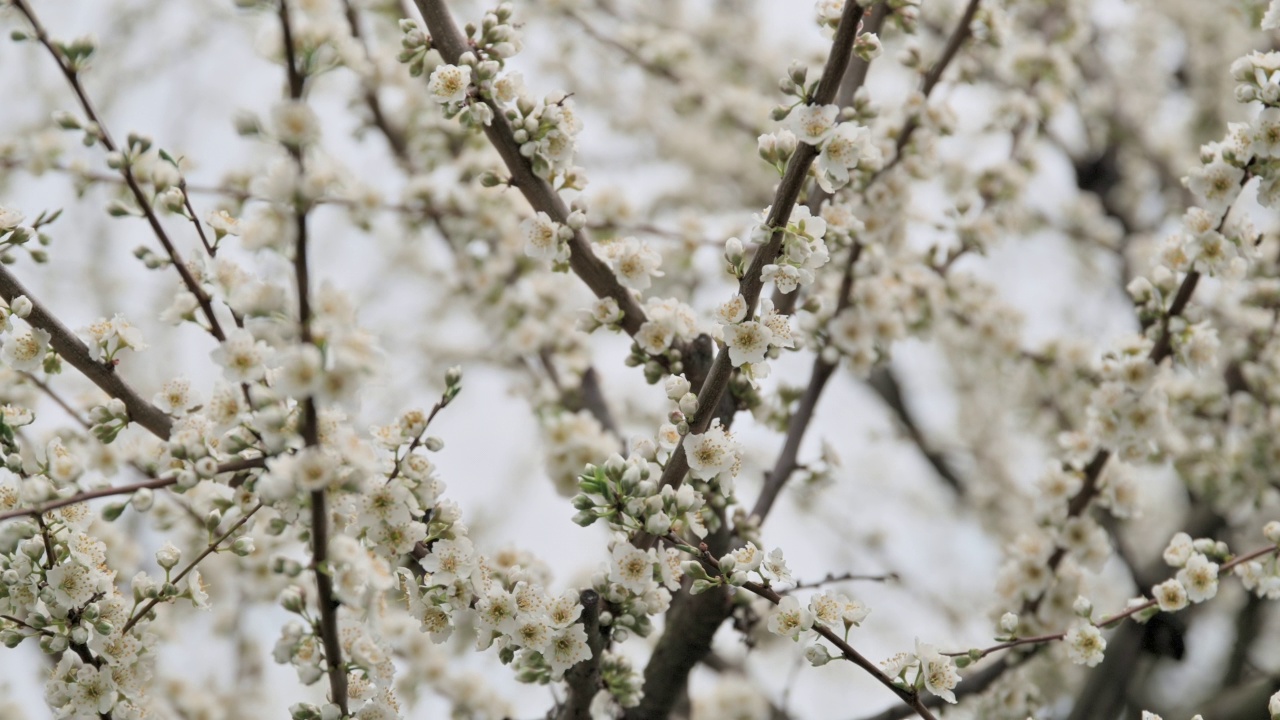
(779, 215)
(74, 351)
(584, 678)
(686, 638)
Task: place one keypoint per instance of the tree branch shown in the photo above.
(156, 483)
(779, 215)
(584, 678)
(209, 550)
(326, 603)
(449, 41)
(73, 78)
(74, 351)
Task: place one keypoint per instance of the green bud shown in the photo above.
(817, 655)
(118, 208)
(701, 586)
(694, 569)
(243, 546)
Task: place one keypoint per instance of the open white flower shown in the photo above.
(448, 83)
(938, 670)
(1085, 645)
(635, 264)
(748, 342)
(243, 358)
(568, 647)
(295, 123)
(25, 352)
(1170, 595)
(541, 237)
(450, 560)
(1179, 550)
(9, 219)
(712, 452)
(106, 338)
(176, 397)
(632, 568)
(1216, 185)
(789, 618)
(1200, 577)
(813, 123)
(775, 570)
(848, 147)
(732, 311)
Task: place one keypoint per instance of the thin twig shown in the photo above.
(153, 484)
(148, 210)
(1110, 619)
(908, 697)
(210, 549)
(843, 577)
(326, 602)
(931, 79)
(658, 70)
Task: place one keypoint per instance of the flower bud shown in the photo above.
(1272, 531)
(817, 655)
(1009, 623)
(168, 556)
(243, 546)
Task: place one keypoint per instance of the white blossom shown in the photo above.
(176, 397)
(789, 618)
(938, 670)
(1200, 577)
(542, 238)
(812, 124)
(9, 219)
(1216, 185)
(632, 568)
(748, 342)
(24, 352)
(1170, 595)
(448, 83)
(635, 264)
(295, 123)
(567, 648)
(712, 452)
(1085, 645)
(243, 358)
